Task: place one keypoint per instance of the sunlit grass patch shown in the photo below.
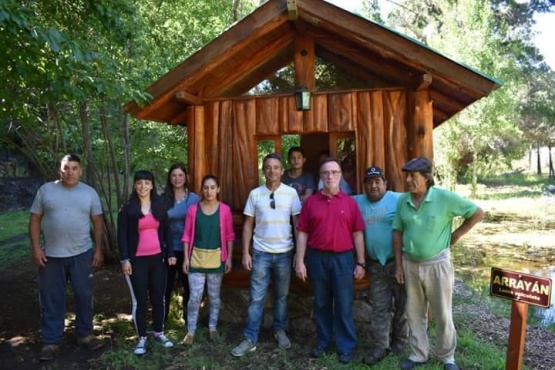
(13, 223)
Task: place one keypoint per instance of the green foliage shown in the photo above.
(70, 68)
(495, 37)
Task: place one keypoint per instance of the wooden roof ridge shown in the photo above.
(262, 42)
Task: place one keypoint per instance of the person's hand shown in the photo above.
(359, 272)
(228, 265)
(247, 261)
(294, 261)
(399, 274)
(39, 258)
(126, 268)
(98, 258)
(186, 265)
(300, 270)
(172, 261)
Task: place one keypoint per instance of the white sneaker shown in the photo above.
(163, 340)
(140, 349)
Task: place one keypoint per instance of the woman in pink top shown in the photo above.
(144, 241)
(208, 232)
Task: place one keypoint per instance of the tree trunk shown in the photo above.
(538, 161)
(87, 146)
(126, 156)
(551, 172)
(530, 150)
(474, 182)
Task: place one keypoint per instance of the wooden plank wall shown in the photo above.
(390, 127)
(223, 133)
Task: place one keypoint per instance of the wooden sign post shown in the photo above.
(517, 336)
(522, 289)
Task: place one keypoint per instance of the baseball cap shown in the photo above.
(373, 172)
(418, 164)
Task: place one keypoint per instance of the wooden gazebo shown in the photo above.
(408, 90)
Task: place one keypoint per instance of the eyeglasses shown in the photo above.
(327, 173)
(272, 201)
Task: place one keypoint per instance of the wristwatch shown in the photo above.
(361, 264)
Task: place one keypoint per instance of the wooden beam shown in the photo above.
(304, 60)
(371, 77)
(188, 97)
(388, 70)
(292, 13)
(372, 36)
(267, 60)
(181, 118)
(420, 124)
(422, 82)
(257, 25)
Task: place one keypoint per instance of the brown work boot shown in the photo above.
(90, 342)
(48, 352)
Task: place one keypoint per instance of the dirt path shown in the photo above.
(19, 318)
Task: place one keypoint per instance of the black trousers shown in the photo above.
(147, 279)
(174, 270)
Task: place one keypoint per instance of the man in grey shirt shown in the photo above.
(65, 209)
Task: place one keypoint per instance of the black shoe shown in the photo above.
(319, 351)
(48, 352)
(345, 358)
(450, 366)
(409, 364)
(374, 357)
(90, 342)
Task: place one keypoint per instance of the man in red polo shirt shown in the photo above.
(330, 226)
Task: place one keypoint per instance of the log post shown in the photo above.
(421, 124)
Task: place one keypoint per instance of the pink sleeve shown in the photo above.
(229, 234)
(189, 224)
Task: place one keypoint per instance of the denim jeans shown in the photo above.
(264, 264)
(52, 281)
(331, 276)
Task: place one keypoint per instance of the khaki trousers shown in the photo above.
(430, 283)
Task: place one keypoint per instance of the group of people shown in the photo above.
(402, 240)
(175, 234)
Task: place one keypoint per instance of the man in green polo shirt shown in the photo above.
(422, 239)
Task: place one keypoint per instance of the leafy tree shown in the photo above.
(495, 38)
(70, 68)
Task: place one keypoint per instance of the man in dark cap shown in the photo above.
(388, 324)
(422, 239)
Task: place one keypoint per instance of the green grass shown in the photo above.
(13, 223)
(520, 179)
(205, 354)
(12, 251)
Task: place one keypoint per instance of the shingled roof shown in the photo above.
(263, 42)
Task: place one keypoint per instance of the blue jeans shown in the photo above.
(263, 265)
(52, 281)
(331, 276)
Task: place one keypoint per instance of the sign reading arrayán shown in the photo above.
(520, 287)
